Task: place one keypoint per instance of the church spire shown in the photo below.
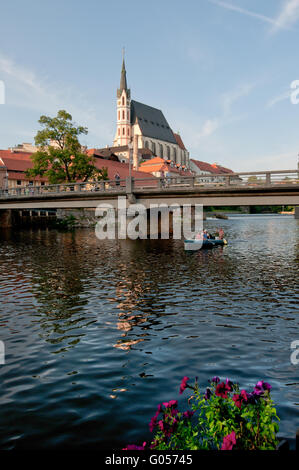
(123, 133)
(123, 79)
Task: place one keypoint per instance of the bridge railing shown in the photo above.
(148, 184)
(250, 179)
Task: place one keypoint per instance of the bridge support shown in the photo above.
(297, 212)
(6, 218)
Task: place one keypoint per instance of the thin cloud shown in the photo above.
(31, 92)
(277, 99)
(229, 98)
(288, 15)
(282, 22)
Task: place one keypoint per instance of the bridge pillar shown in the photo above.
(297, 212)
(5, 218)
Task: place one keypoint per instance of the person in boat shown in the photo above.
(204, 235)
(221, 233)
(199, 236)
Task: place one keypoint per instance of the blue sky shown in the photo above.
(220, 70)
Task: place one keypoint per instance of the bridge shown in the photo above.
(233, 189)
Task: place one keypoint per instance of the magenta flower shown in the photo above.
(240, 398)
(184, 384)
(161, 425)
(229, 441)
(229, 383)
(153, 422)
(171, 404)
(262, 387)
(216, 380)
(133, 447)
(222, 389)
(188, 414)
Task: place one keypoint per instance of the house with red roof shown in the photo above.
(209, 172)
(13, 167)
(159, 167)
(14, 164)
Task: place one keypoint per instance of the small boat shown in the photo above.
(194, 244)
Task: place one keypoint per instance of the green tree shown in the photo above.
(60, 157)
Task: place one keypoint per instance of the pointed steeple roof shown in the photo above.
(123, 77)
(123, 81)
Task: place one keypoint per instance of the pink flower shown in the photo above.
(133, 447)
(184, 384)
(222, 389)
(238, 399)
(229, 441)
(171, 404)
(153, 422)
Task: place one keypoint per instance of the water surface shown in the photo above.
(97, 333)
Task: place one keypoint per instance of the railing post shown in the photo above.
(129, 184)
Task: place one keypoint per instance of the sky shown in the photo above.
(221, 72)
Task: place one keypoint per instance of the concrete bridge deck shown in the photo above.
(255, 188)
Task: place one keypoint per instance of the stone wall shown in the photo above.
(83, 217)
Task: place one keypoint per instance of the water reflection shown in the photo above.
(95, 328)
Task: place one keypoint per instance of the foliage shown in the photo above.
(223, 417)
(68, 223)
(60, 157)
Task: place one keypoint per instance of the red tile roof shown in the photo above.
(121, 168)
(18, 162)
(179, 141)
(158, 164)
(214, 168)
(14, 175)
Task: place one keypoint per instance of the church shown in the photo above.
(147, 128)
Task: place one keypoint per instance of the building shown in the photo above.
(148, 125)
(24, 147)
(13, 167)
(159, 167)
(209, 173)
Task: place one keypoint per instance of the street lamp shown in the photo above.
(130, 149)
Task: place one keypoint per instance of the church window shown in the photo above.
(154, 148)
(118, 115)
(128, 131)
(146, 144)
(174, 154)
(123, 131)
(123, 115)
(123, 100)
(128, 115)
(168, 152)
(161, 150)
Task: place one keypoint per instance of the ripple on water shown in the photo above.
(97, 333)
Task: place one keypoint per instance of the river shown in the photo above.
(98, 333)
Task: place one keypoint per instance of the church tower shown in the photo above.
(123, 131)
